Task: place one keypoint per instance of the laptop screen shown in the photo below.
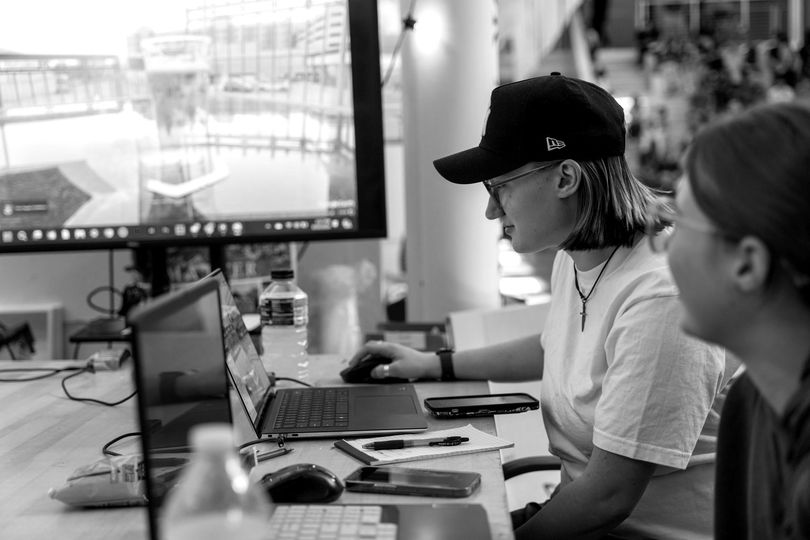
(180, 377)
(244, 363)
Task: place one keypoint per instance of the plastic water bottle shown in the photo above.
(214, 498)
(284, 310)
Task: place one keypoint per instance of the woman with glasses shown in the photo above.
(740, 254)
(629, 402)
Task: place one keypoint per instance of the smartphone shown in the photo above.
(480, 405)
(408, 481)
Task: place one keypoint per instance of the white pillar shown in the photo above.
(449, 68)
(795, 21)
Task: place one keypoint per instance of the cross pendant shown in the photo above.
(584, 314)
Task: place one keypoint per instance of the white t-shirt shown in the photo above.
(633, 384)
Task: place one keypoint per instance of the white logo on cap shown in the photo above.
(486, 119)
(554, 144)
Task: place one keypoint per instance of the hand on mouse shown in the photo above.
(407, 363)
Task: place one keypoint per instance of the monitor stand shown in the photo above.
(152, 262)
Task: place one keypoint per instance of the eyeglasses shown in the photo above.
(663, 219)
(493, 187)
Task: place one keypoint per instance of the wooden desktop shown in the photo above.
(44, 437)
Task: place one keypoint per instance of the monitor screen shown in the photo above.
(190, 122)
(180, 372)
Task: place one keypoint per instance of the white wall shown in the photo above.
(65, 278)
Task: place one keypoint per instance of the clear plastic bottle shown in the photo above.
(284, 310)
(214, 498)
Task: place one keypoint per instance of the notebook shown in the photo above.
(279, 412)
(477, 441)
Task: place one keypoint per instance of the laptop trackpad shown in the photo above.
(374, 405)
(443, 522)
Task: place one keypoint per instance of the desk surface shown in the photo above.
(44, 437)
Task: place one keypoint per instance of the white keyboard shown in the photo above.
(333, 522)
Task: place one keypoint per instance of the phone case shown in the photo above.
(474, 408)
(435, 488)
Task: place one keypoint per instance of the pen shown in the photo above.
(407, 443)
(273, 453)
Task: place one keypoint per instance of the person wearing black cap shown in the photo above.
(630, 404)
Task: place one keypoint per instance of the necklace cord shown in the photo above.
(584, 298)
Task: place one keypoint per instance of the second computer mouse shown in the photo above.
(361, 371)
(302, 483)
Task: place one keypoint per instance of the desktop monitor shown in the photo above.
(191, 122)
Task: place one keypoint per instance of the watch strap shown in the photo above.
(446, 363)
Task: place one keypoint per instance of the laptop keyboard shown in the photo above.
(313, 408)
(335, 522)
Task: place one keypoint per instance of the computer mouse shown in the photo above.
(361, 371)
(302, 483)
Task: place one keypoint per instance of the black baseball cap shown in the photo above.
(540, 119)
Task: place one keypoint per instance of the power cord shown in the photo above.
(91, 369)
(292, 380)
(106, 448)
(278, 440)
(273, 380)
(108, 311)
(407, 24)
(50, 372)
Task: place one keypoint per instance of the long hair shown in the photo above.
(751, 175)
(612, 205)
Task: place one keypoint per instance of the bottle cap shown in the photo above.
(286, 273)
(212, 437)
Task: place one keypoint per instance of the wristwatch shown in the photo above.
(446, 362)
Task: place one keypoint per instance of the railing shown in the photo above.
(35, 87)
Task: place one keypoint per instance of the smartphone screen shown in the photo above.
(410, 481)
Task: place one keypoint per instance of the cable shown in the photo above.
(277, 440)
(111, 277)
(50, 373)
(293, 380)
(407, 24)
(106, 448)
(89, 368)
(301, 250)
(110, 311)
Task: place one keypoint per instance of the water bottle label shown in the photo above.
(284, 312)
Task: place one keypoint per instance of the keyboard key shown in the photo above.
(313, 409)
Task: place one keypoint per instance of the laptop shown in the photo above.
(180, 373)
(342, 411)
(181, 379)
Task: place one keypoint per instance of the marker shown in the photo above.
(397, 444)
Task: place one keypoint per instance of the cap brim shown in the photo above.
(473, 165)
